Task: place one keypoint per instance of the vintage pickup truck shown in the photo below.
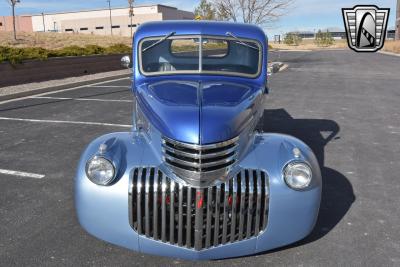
(194, 179)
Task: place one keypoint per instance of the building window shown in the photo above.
(1, 24)
(115, 27)
(99, 28)
(83, 29)
(132, 26)
(69, 30)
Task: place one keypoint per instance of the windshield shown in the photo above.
(172, 54)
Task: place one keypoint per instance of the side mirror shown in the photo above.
(126, 62)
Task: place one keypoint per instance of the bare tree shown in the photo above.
(130, 2)
(13, 3)
(259, 12)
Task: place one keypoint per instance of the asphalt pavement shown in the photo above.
(345, 105)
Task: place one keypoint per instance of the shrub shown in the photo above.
(118, 49)
(324, 38)
(292, 39)
(17, 55)
(69, 51)
(95, 50)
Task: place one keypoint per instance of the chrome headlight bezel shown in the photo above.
(111, 168)
(299, 166)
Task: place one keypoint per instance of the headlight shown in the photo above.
(297, 175)
(100, 171)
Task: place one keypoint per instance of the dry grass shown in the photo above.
(392, 46)
(309, 45)
(59, 40)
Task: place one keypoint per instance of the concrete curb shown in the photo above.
(290, 50)
(60, 87)
(389, 53)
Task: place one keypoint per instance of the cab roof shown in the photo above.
(192, 27)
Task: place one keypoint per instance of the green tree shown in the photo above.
(292, 39)
(205, 11)
(324, 38)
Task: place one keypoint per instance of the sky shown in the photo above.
(303, 15)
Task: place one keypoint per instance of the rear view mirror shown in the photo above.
(126, 62)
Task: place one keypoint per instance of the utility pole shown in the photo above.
(13, 3)
(44, 25)
(397, 34)
(131, 14)
(111, 25)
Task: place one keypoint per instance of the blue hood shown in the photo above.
(199, 112)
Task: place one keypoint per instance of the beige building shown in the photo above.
(98, 21)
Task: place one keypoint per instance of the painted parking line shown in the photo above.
(67, 122)
(22, 174)
(82, 99)
(64, 90)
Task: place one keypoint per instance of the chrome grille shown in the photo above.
(198, 218)
(199, 164)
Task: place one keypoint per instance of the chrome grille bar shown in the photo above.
(198, 238)
(188, 163)
(198, 218)
(194, 162)
(189, 218)
(266, 201)
(166, 148)
(139, 201)
(217, 217)
(146, 206)
(180, 216)
(225, 220)
(203, 147)
(234, 208)
(155, 204)
(208, 219)
(172, 214)
(242, 202)
(250, 204)
(163, 209)
(258, 201)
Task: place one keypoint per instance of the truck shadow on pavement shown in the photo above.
(337, 191)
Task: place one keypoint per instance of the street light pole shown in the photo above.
(13, 3)
(109, 7)
(131, 14)
(44, 24)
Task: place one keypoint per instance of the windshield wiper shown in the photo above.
(159, 41)
(241, 42)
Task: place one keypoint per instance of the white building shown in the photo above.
(98, 21)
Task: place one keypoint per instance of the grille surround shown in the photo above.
(200, 165)
(198, 218)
